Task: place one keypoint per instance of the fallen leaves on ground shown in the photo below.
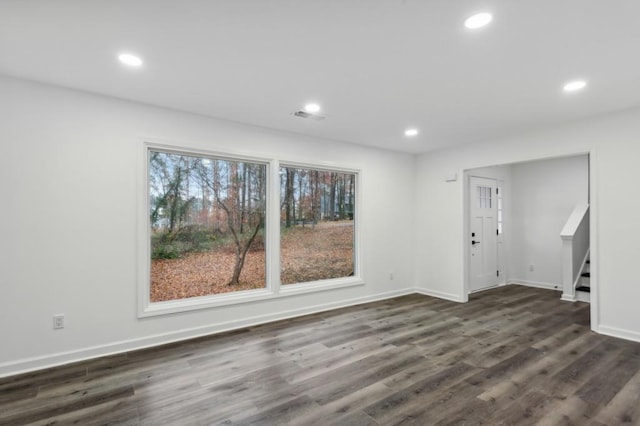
(307, 254)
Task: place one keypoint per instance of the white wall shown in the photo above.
(614, 144)
(69, 165)
(544, 193)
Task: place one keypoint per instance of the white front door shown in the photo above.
(483, 230)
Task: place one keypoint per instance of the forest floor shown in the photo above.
(307, 254)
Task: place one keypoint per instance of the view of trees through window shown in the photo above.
(207, 219)
(207, 223)
(317, 224)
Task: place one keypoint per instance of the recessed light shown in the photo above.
(312, 108)
(411, 132)
(129, 59)
(478, 20)
(574, 86)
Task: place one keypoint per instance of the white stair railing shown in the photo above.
(575, 249)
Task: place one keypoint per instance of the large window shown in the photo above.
(317, 224)
(221, 229)
(206, 219)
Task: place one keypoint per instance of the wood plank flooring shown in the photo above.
(512, 355)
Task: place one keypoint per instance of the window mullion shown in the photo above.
(273, 227)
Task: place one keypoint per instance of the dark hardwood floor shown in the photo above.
(512, 355)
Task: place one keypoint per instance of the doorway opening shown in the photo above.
(514, 215)
(484, 271)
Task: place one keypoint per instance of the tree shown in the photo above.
(314, 187)
(244, 219)
(288, 200)
(169, 176)
(332, 196)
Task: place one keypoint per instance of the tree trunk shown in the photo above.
(341, 191)
(352, 185)
(292, 201)
(288, 196)
(315, 199)
(301, 196)
(243, 196)
(241, 254)
(332, 197)
(174, 200)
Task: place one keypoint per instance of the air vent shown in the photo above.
(304, 114)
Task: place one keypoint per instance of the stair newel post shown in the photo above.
(568, 291)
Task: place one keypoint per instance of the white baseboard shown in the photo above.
(61, 358)
(537, 284)
(440, 295)
(618, 332)
(568, 297)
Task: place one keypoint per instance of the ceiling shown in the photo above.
(375, 66)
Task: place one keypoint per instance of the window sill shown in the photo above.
(248, 296)
(315, 286)
(204, 302)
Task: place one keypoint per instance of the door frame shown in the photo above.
(466, 229)
(499, 247)
(593, 220)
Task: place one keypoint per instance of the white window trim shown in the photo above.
(273, 288)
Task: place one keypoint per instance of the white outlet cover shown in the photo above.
(58, 322)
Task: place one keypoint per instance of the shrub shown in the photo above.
(186, 239)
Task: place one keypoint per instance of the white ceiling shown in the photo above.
(375, 66)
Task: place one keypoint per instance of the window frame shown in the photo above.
(273, 288)
(356, 279)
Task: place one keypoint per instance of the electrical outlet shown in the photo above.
(531, 268)
(58, 321)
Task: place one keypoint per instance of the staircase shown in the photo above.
(583, 290)
(575, 255)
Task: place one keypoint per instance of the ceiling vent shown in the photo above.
(305, 114)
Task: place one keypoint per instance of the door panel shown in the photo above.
(483, 241)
